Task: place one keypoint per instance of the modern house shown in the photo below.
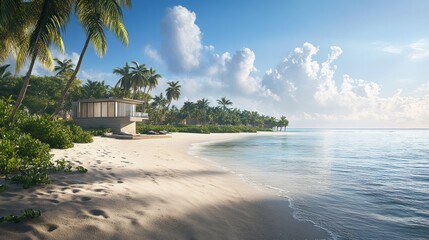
(118, 114)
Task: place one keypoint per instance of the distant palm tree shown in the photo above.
(95, 89)
(203, 103)
(139, 77)
(95, 16)
(202, 107)
(125, 81)
(224, 103)
(152, 80)
(63, 68)
(3, 72)
(172, 92)
(159, 102)
(52, 15)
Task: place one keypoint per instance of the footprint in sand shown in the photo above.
(120, 181)
(97, 212)
(98, 162)
(85, 199)
(99, 190)
(52, 227)
(75, 190)
(54, 201)
(109, 168)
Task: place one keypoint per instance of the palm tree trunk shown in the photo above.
(60, 101)
(24, 88)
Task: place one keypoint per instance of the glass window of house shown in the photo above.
(84, 110)
(90, 110)
(104, 109)
(97, 109)
(111, 109)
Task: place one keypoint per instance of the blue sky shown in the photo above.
(348, 63)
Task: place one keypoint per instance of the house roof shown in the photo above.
(122, 100)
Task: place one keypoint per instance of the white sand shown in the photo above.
(150, 189)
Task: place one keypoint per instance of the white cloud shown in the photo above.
(183, 52)
(417, 50)
(314, 97)
(300, 87)
(152, 53)
(181, 43)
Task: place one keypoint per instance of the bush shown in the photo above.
(26, 158)
(54, 133)
(98, 131)
(145, 128)
(79, 135)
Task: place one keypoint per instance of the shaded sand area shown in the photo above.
(150, 189)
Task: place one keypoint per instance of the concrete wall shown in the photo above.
(117, 125)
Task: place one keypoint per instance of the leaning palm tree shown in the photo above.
(52, 17)
(172, 92)
(95, 16)
(3, 72)
(224, 103)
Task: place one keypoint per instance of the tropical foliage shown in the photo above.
(24, 149)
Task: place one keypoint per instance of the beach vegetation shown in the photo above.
(25, 149)
(98, 131)
(28, 213)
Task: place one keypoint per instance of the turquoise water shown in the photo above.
(357, 184)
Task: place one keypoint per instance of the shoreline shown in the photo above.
(151, 189)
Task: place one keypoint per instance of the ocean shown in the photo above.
(355, 183)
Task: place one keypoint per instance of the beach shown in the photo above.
(150, 189)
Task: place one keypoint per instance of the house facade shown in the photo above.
(118, 114)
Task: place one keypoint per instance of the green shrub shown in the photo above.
(145, 128)
(24, 157)
(98, 131)
(79, 135)
(54, 133)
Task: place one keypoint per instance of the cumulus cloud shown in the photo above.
(302, 86)
(181, 44)
(311, 94)
(184, 53)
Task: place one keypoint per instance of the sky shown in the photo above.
(330, 63)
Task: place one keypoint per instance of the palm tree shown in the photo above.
(224, 102)
(3, 72)
(202, 106)
(139, 77)
(159, 102)
(95, 16)
(95, 89)
(152, 80)
(52, 16)
(63, 68)
(125, 81)
(172, 92)
(15, 19)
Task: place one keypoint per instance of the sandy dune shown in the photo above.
(150, 189)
